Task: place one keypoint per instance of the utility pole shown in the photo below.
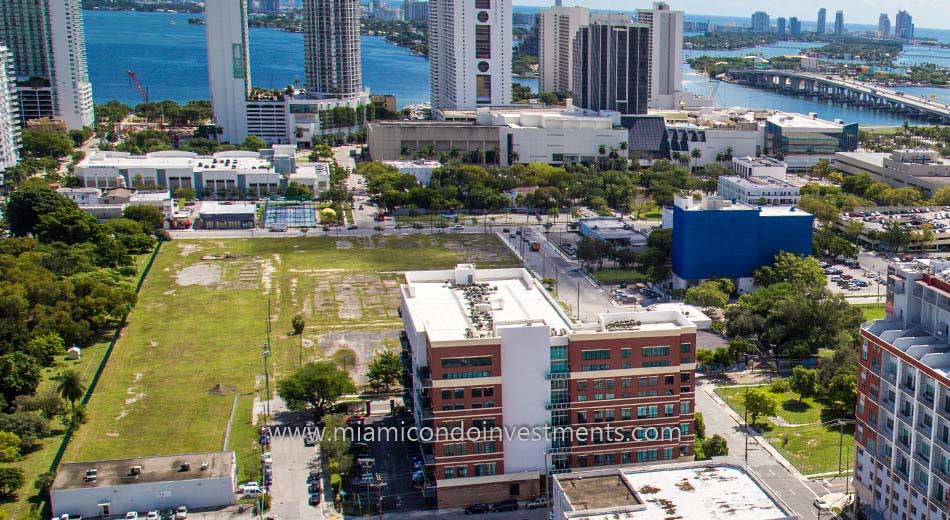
(300, 352)
(840, 443)
(578, 301)
(746, 428)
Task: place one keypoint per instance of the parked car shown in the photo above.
(314, 499)
(355, 420)
(152, 515)
(314, 476)
(821, 504)
(167, 514)
(352, 227)
(505, 505)
(309, 440)
(477, 509)
(132, 515)
(315, 487)
(536, 503)
(251, 489)
(181, 513)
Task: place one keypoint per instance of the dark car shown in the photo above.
(167, 514)
(477, 509)
(505, 505)
(314, 476)
(315, 487)
(314, 499)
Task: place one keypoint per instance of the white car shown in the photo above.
(251, 489)
(822, 504)
(152, 515)
(132, 515)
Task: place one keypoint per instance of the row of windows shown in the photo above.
(609, 459)
(626, 353)
(456, 449)
(459, 393)
(461, 406)
(467, 375)
(465, 362)
(478, 470)
(626, 414)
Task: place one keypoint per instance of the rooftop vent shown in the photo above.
(185, 466)
(91, 475)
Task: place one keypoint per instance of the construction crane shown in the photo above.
(138, 85)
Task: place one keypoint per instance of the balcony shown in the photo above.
(425, 376)
(557, 405)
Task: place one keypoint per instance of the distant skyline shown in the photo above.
(926, 13)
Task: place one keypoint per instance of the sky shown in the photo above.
(933, 14)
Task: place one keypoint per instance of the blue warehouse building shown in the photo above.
(716, 238)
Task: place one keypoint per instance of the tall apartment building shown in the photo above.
(780, 25)
(794, 26)
(469, 53)
(414, 10)
(839, 22)
(48, 43)
(611, 65)
(760, 22)
(665, 61)
(557, 27)
(883, 26)
(902, 435)
(490, 350)
(229, 69)
(8, 111)
(903, 25)
(822, 20)
(331, 31)
(268, 6)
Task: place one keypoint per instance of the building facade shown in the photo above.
(820, 28)
(229, 68)
(557, 27)
(611, 65)
(758, 191)
(839, 22)
(922, 169)
(794, 26)
(470, 48)
(903, 25)
(665, 61)
(9, 119)
(902, 435)
(716, 238)
(47, 39)
(331, 31)
(883, 26)
(780, 25)
(760, 22)
(413, 10)
(801, 141)
(491, 350)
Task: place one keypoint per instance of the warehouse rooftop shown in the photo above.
(120, 472)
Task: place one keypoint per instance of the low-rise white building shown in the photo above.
(111, 488)
(759, 191)
(298, 119)
(923, 169)
(421, 169)
(81, 196)
(555, 137)
(760, 167)
(232, 173)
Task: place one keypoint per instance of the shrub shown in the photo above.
(779, 386)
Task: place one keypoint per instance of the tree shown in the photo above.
(715, 446)
(9, 447)
(11, 479)
(705, 357)
(46, 347)
(384, 370)
(801, 271)
(33, 198)
(700, 425)
(71, 387)
(895, 236)
(184, 193)
(758, 403)
(19, 375)
(253, 143)
(942, 197)
(707, 295)
(297, 190)
(696, 154)
(803, 381)
(822, 169)
(591, 250)
(318, 384)
(842, 391)
(149, 215)
(40, 143)
(298, 324)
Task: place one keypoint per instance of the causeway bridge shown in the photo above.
(844, 90)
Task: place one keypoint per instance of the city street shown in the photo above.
(794, 490)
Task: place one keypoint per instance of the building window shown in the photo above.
(483, 88)
(465, 362)
(483, 42)
(686, 348)
(684, 407)
(656, 351)
(482, 4)
(588, 355)
(651, 364)
(625, 353)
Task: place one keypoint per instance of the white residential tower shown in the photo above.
(666, 53)
(229, 71)
(557, 27)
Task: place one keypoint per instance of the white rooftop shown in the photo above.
(792, 120)
(757, 182)
(211, 207)
(442, 303)
(418, 163)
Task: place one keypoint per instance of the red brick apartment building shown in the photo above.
(490, 351)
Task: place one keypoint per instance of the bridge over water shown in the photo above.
(844, 90)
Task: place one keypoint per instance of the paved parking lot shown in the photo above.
(869, 276)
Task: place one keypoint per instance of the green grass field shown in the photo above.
(872, 311)
(812, 448)
(190, 348)
(615, 276)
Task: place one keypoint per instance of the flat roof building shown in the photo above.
(612, 230)
(492, 350)
(421, 169)
(922, 169)
(226, 215)
(801, 141)
(760, 167)
(692, 491)
(758, 191)
(111, 488)
(902, 452)
(715, 238)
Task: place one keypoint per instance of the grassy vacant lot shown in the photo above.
(616, 276)
(809, 445)
(872, 311)
(194, 341)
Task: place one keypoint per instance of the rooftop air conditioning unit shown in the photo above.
(204, 466)
(91, 475)
(185, 466)
(135, 470)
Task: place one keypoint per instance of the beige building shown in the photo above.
(557, 27)
(923, 169)
(394, 140)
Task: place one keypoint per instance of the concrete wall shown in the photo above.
(194, 494)
(385, 140)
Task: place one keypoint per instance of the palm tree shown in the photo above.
(696, 154)
(71, 388)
